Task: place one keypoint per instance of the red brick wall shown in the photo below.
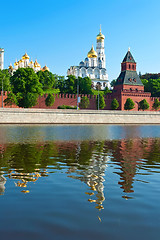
(4, 97)
(71, 100)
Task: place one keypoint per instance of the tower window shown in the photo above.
(129, 66)
(133, 67)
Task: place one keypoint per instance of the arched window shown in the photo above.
(133, 67)
(129, 66)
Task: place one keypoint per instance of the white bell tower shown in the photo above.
(101, 59)
(1, 58)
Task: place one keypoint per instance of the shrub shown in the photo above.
(49, 101)
(144, 105)
(156, 104)
(66, 107)
(114, 104)
(101, 101)
(84, 102)
(129, 104)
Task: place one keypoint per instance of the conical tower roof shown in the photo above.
(129, 58)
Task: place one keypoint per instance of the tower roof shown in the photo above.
(129, 78)
(129, 58)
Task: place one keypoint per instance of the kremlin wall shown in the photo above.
(128, 83)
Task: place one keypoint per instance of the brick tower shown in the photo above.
(128, 84)
(128, 78)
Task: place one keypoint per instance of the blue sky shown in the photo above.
(60, 33)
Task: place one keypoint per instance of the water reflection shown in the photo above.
(86, 161)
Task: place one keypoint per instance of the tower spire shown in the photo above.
(100, 28)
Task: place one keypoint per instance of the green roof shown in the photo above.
(129, 78)
(129, 58)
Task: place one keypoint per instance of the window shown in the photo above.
(133, 67)
(129, 66)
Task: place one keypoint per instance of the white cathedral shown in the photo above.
(94, 65)
(24, 63)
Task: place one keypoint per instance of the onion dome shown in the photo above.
(36, 64)
(31, 62)
(81, 63)
(16, 63)
(45, 68)
(25, 56)
(92, 53)
(10, 67)
(100, 36)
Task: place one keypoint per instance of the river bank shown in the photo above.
(59, 116)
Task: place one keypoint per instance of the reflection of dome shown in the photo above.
(45, 68)
(25, 56)
(92, 53)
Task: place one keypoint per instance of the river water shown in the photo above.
(80, 182)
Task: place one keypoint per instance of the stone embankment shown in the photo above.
(52, 116)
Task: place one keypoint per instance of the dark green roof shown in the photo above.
(129, 77)
(129, 57)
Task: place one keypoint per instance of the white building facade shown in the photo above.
(1, 58)
(94, 66)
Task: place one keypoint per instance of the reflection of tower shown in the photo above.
(92, 174)
(1, 58)
(2, 183)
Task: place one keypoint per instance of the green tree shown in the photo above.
(60, 83)
(106, 90)
(50, 99)
(5, 77)
(84, 102)
(153, 86)
(47, 79)
(11, 99)
(114, 104)
(26, 87)
(70, 84)
(113, 82)
(85, 85)
(129, 104)
(101, 101)
(156, 104)
(144, 105)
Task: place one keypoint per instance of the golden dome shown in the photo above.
(10, 67)
(92, 53)
(16, 63)
(25, 56)
(100, 36)
(31, 62)
(45, 68)
(36, 64)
